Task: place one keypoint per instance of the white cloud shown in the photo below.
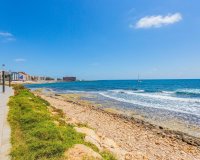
(157, 21)
(6, 37)
(19, 60)
(6, 34)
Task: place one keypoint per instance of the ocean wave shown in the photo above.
(187, 107)
(166, 95)
(188, 91)
(168, 92)
(125, 91)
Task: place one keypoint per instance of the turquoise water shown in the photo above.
(146, 85)
(155, 99)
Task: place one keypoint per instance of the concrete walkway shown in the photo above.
(4, 125)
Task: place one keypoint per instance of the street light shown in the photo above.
(3, 74)
(10, 79)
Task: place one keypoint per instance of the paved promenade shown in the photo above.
(4, 126)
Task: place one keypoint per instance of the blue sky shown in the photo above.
(101, 39)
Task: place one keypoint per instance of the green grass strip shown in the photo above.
(34, 134)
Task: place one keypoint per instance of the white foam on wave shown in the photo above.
(72, 91)
(189, 106)
(165, 96)
(168, 92)
(188, 91)
(124, 91)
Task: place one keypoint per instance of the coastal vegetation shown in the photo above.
(39, 130)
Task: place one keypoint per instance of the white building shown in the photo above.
(22, 76)
(15, 76)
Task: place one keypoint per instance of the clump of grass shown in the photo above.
(83, 125)
(34, 134)
(59, 111)
(107, 155)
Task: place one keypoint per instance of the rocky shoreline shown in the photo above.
(140, 139)
(159, 130)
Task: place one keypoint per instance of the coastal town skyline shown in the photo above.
(27, 78)
(101, 39)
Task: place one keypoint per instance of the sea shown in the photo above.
(174, 104)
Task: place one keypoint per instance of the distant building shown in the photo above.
(49, 79)
(24, 76)
(28, 77)
(69, 79)
(34, 78)
(37, 78)
(42, 78)
(15, 76)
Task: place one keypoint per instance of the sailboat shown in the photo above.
(139, 81)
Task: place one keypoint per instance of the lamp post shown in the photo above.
(3, 76)
(10, 78)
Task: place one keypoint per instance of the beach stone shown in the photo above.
(128, 156)
(91, 136)
(102, 142)
(109, 143)
(72, 121)
(80, 152)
